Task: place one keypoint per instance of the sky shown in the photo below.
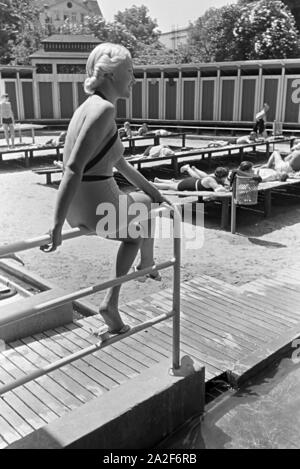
(168, 13)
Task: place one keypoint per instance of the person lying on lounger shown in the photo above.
(251, 138)
(197, 181)
(288, 164)
(158, 151)
(143, 130)
(261, 174)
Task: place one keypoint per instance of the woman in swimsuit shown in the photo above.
(197, 180)
(92, 149)
(289, 164)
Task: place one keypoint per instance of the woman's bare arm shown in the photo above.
(138, 180)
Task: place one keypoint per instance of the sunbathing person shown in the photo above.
(200, 181)
(143, 130)
(261, 174)
(289, 164)
(126, 131)
(251, 138)
(158, 151)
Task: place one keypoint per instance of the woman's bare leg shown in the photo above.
(12, 134)
(127, 252)
(274, 159)
(198, 173)
(166, 185)
(109, 308)
(6, 133)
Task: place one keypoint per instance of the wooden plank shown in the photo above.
(236, 300)
(70, 377)
(57, 382)
(206, 318)
(192, 303)
(215, 355)
(241, 310)
(140, 352)
(11, 413)
(277, 294)
(274, 314)
(32, 401)
(102, 356)
(79, 368)
(210, 355)
(21, 401)
(41, 393)
(119, 357)
(236, 313)
(127, 350)
(225, 314)
(140, 345)
(159, 336)
(196, 333)
(97, 368)
(8, 433)
(3, 443)
(283, 291)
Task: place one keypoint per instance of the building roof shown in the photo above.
(63, 38)
(90, 5)
(41, 54)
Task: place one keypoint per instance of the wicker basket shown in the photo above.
(246, 190)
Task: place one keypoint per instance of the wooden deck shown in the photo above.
(228, 329)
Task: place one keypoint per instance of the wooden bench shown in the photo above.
(19, 128)
(48, 172)
(156, 139)
(29, 151)
(207, 151)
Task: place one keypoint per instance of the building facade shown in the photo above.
(227, 92)
(174, 38)
(54, 13)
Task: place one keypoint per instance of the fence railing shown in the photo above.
(72, 296)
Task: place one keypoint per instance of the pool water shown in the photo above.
(263, 414)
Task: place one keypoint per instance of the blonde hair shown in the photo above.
(102, 60)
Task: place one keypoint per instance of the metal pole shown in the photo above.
(68, 297)
(176, 289)
(39, 241)
(81, 353)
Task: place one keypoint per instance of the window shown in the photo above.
(44, 68)
(71, 68)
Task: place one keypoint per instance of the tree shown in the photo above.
(20, 31)
(265, 30)
(139, 24)
(104, 31)
(293, 5)
(211, 36)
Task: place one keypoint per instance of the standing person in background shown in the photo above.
(7, 119)
(260, 124)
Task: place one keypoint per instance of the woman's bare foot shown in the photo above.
(184, 168)
(112, 318)
(154, 275)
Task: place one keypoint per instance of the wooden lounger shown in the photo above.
(48, 172)
(226, 198)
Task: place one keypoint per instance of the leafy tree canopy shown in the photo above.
(266, 29)
(139, 23)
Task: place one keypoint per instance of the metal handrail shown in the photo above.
(175, 313)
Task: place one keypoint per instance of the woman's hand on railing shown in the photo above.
(56, 240)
